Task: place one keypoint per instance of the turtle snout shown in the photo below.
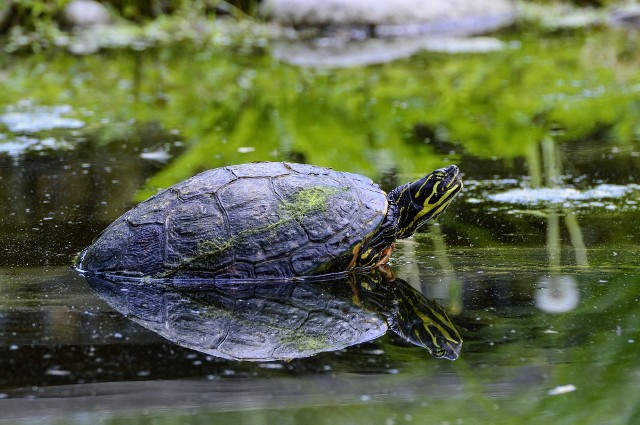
(451, 176)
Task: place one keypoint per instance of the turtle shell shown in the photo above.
(253, 220)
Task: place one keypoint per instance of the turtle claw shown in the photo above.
(385, 255)
(386, 273)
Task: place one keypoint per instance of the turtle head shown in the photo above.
(425, 199)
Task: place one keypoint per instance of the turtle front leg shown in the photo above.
(385, 255)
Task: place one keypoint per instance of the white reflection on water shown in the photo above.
(561, 195)
(21, 144)
(30, 119)
(557, 294)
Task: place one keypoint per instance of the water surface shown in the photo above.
(536, 262)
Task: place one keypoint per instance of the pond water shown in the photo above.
(535, 263)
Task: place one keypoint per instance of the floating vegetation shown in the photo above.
(22, 144)
(546, 195)
(25, 117)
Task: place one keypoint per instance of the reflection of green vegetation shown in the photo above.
(365, 120)
(591, 348)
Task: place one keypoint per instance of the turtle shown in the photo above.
(267, 220)
(281, 319)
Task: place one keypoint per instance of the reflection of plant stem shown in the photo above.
(454, 285)
(440, 251)
(575, 233)
(557, 293)
(411, 269)
(553, 240)
(552, 170)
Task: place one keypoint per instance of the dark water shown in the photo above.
(536, 262)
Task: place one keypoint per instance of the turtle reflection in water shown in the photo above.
(280, 320)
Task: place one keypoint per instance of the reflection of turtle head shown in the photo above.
(416, 319)
(440, 338)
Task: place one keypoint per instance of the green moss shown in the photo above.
(214, 312)
(304, 341)
(75, 261)
(308, 201)
(214, 247)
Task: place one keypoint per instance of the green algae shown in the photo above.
(213, 247)
(305, 341)
(308, 201)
